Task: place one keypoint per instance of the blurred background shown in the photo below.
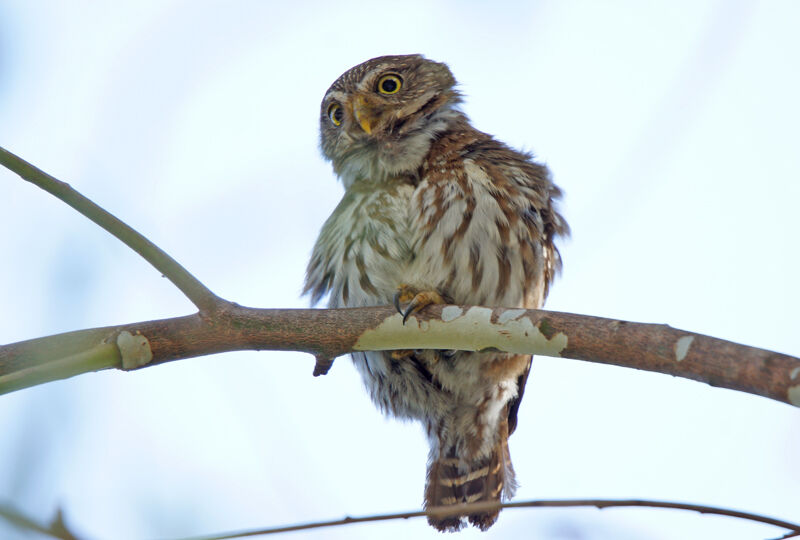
(672, 128)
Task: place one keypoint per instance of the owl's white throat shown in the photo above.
(376, 160)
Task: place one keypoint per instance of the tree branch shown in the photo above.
(223, 326)
(189, 285)
(330, 333)
(794, 529)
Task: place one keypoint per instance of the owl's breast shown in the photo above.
(364, 248)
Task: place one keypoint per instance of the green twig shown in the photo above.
(101, 356)
(199, 294)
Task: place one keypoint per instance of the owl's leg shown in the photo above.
(416, 300)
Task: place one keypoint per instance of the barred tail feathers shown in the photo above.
(453, 481)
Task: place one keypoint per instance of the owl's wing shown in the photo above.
(532, 195)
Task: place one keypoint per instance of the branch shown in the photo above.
(189, 285)
(794, 529)
(224, 326)
(328, 333)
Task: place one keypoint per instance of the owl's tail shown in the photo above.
(453, 481)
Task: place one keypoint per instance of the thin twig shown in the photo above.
(464, 509)
(57, 529)
(199, 294)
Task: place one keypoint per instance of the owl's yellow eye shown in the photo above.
(389, 84)
(336, 114)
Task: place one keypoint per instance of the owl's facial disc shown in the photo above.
(379, 118)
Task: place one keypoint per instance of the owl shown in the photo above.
(435, 211)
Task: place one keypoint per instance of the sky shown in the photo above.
(672, 128)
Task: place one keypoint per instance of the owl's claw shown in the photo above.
(417, 301)
(405, 293)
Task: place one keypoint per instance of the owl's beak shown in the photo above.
(362, 114)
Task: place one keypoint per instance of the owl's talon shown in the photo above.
(405, 293)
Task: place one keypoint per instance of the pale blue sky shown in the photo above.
(672, 128)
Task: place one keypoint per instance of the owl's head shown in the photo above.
(378, 119)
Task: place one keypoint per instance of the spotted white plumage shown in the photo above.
(432, 204)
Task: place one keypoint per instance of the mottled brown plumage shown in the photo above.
(433, 205)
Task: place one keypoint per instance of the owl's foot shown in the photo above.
(417, 301)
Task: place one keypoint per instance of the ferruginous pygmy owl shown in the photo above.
(435, 211)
